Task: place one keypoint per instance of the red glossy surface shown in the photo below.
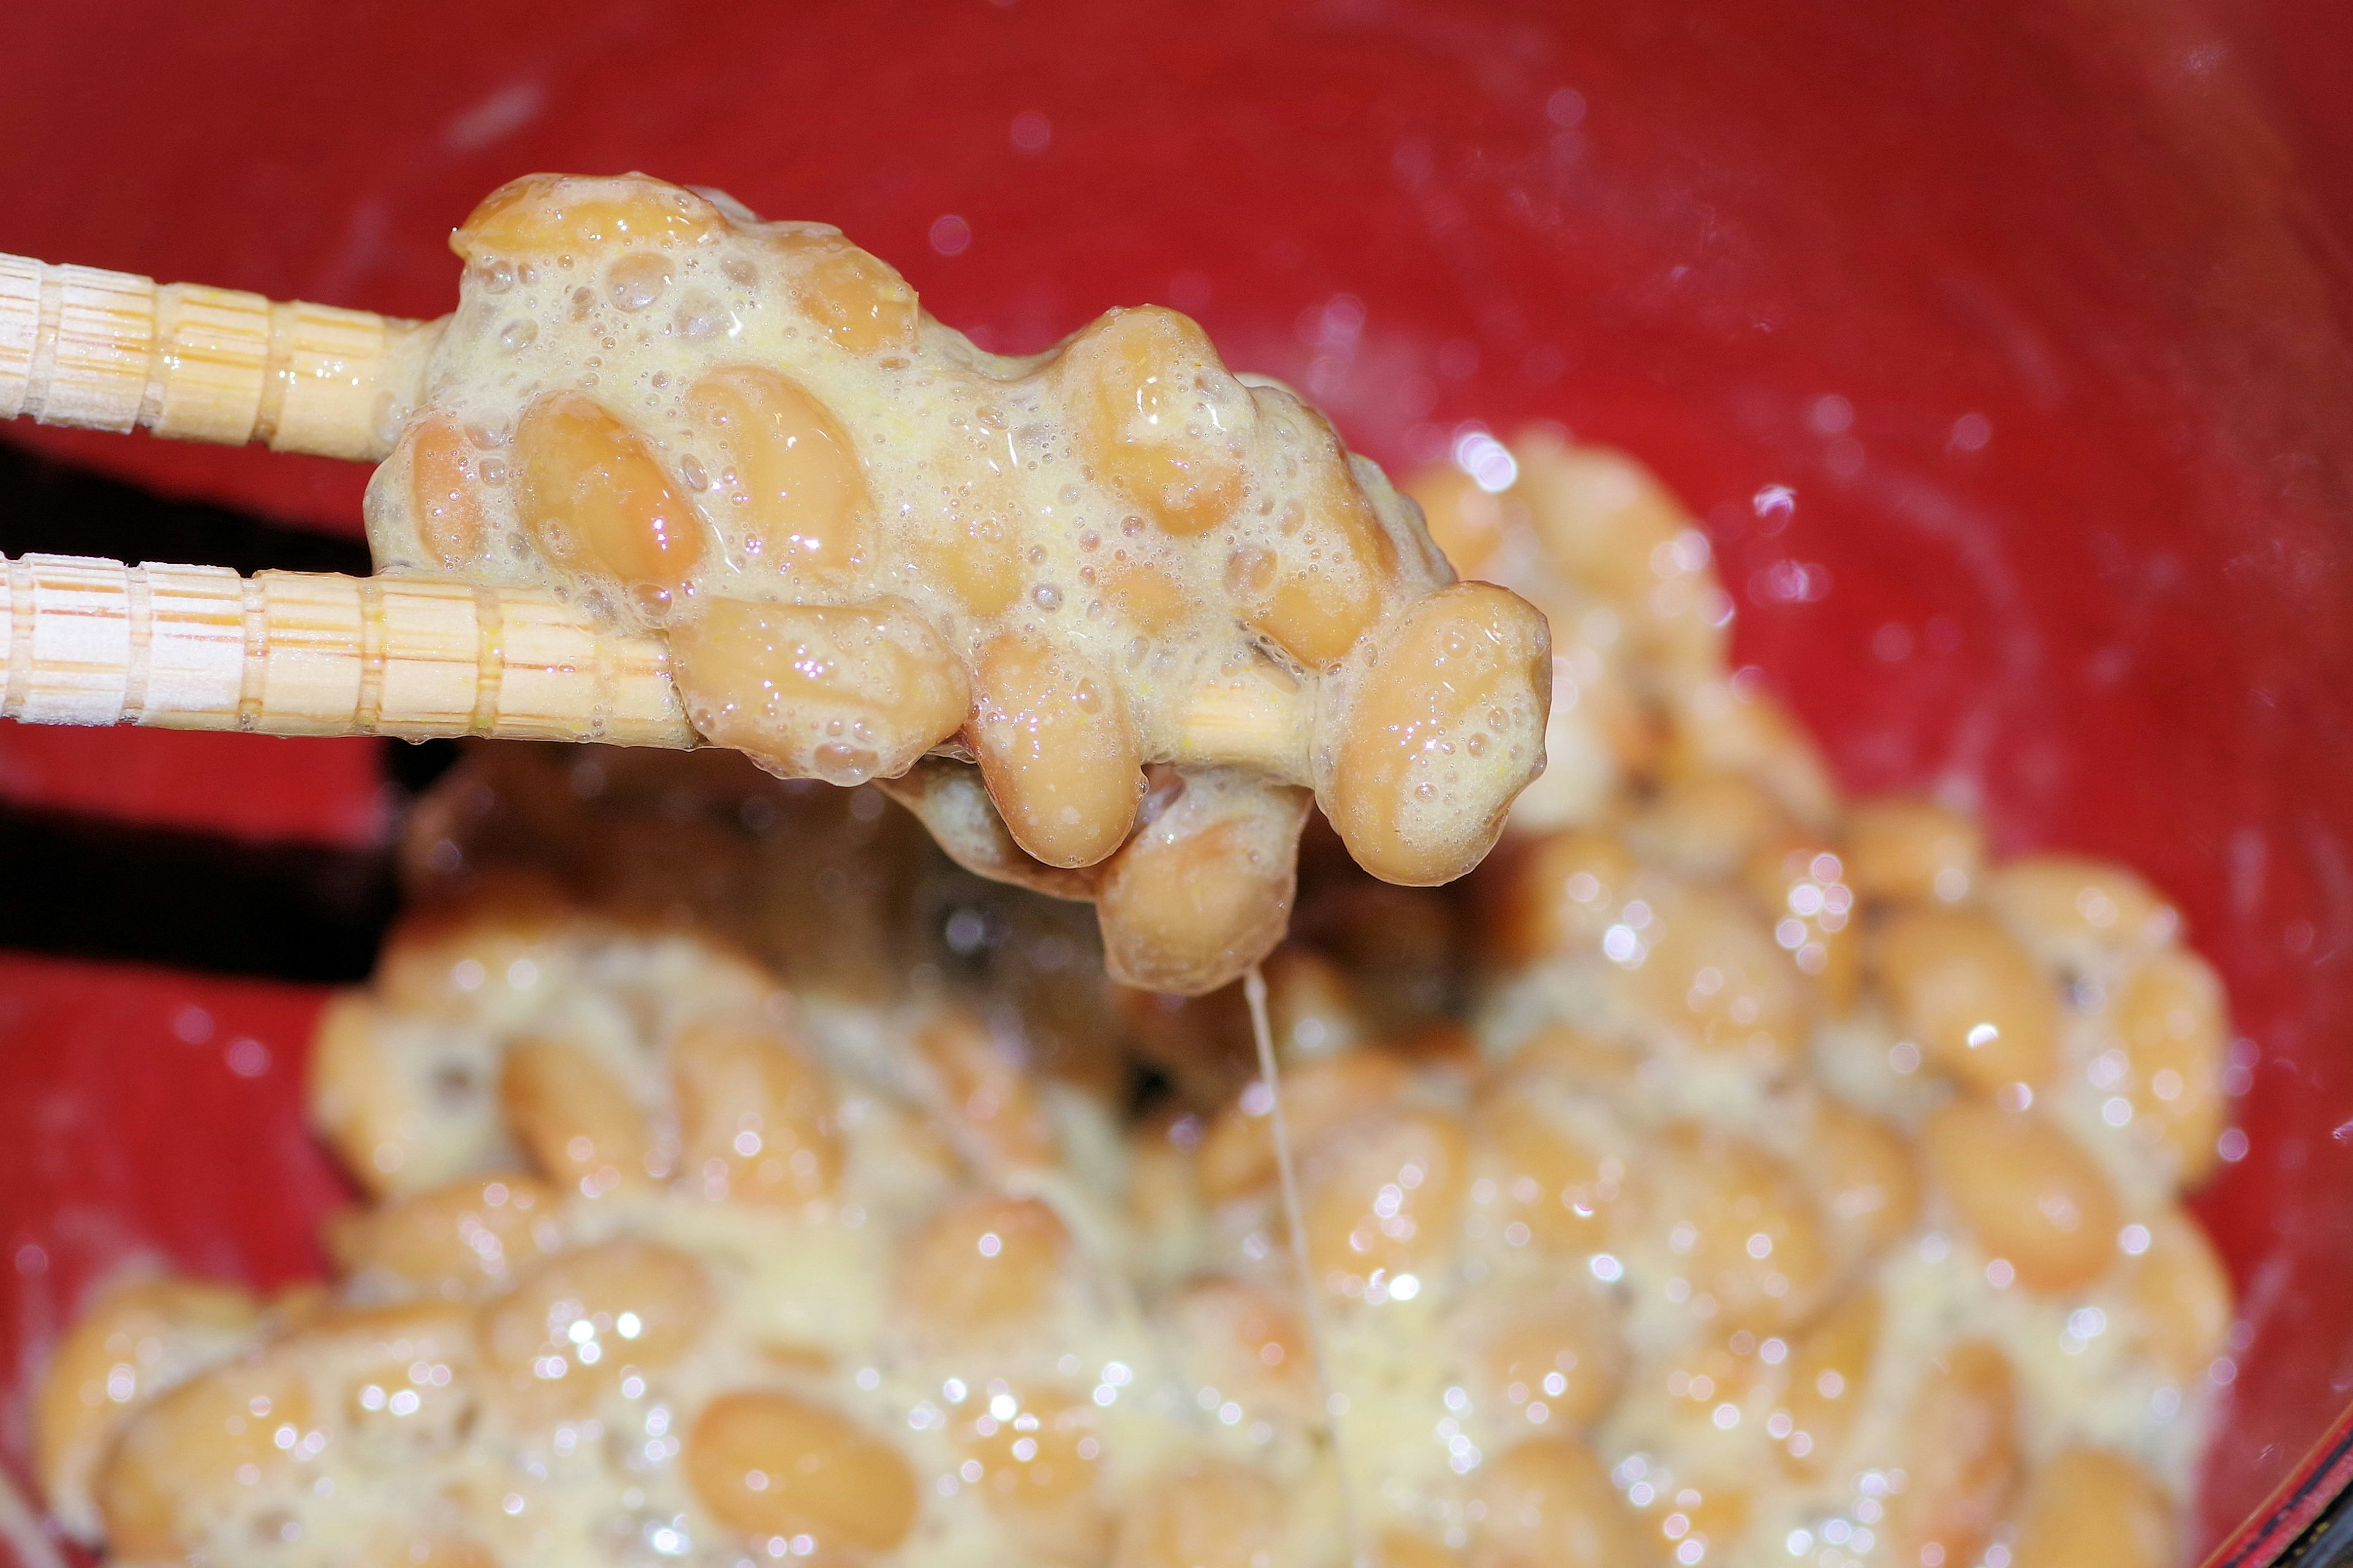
(2028, 305)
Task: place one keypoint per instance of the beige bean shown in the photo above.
(405, 1102)
(1827, 1380)
(1544, 1180)
(1562, 896)
(596, 499)
(1319, 583)
(2092, 1508)
(800, 506)
(2172, 1021)
(1866, 1179)
(1202, 1513)
(989, 1095)
(2026, 1191)
(769, 1465)
(1612, 528)
(984, 1269)
(1247, 1343)
(1056, 748)
(1707, 969)
(2182, 1299)
(1157, 417)
(756, 1115)
(467, 1238)
(1547, 1503)
(1980, 1007)
(189, 1464)
(1320, 1099)
(1905, 848)
(2072, 910)
(402, 1379)
(1799, 882)
(1407, 1548)
(575, 1117)
(443, 502)
(1556, 1364)
(643, 1305)
(858, 301)
(1041, 1456)
(1706, 827)
(1962, 1465)
(1204, 888)
(548, 215)
(1444, 729)
(1468, 522)
(137, 1339)
(843, 694)
(1384, 1198)
(1739, 1225)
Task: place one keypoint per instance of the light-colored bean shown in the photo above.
(984, 1269)
(1609, 524)
(1383, 1199)
(596, 499)
(798, 505)
(2026, 1191)
(2072, 910)
(642, 1305)
(136, 1340)
(1827, 1380)
(1319, 1100)
(1961, 1465)
(1202, 1513)
(840, 693)
(548, 216)
(1547, 1503)
(2172, 1019)
(769, 1465)
(1557, 1365)
(988, 1093)
(1467, 521)
(1443, 730)
(1799, 882)
(1866, 1178)
(1718, 724)
(857, 300)
(1905, 848)
(1705, 968)
(1056, 748)
(402, 1379)
(1707, 827)
(1158, 417)
(467, 1238)
(575, 1117)
(1312, 1007)
(2182, 1299)
(189, 1464)
(1318, 584)
(1247, 1343)
(1406, 1549)
(1980, 1007)
(756, 1115)
(1204, 888)
(402, 1119)
(2093, 1507)
(442, 498)
(1041, 1456)
(1563, 897)
(1739, 1225)
(1543, 1179)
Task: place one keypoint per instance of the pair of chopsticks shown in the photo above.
(91, 641)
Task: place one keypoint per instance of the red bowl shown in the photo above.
(2034, 314)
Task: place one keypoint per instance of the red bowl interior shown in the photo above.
(2036, 311)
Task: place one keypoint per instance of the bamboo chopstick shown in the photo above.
(112, 351)
(291, 653)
